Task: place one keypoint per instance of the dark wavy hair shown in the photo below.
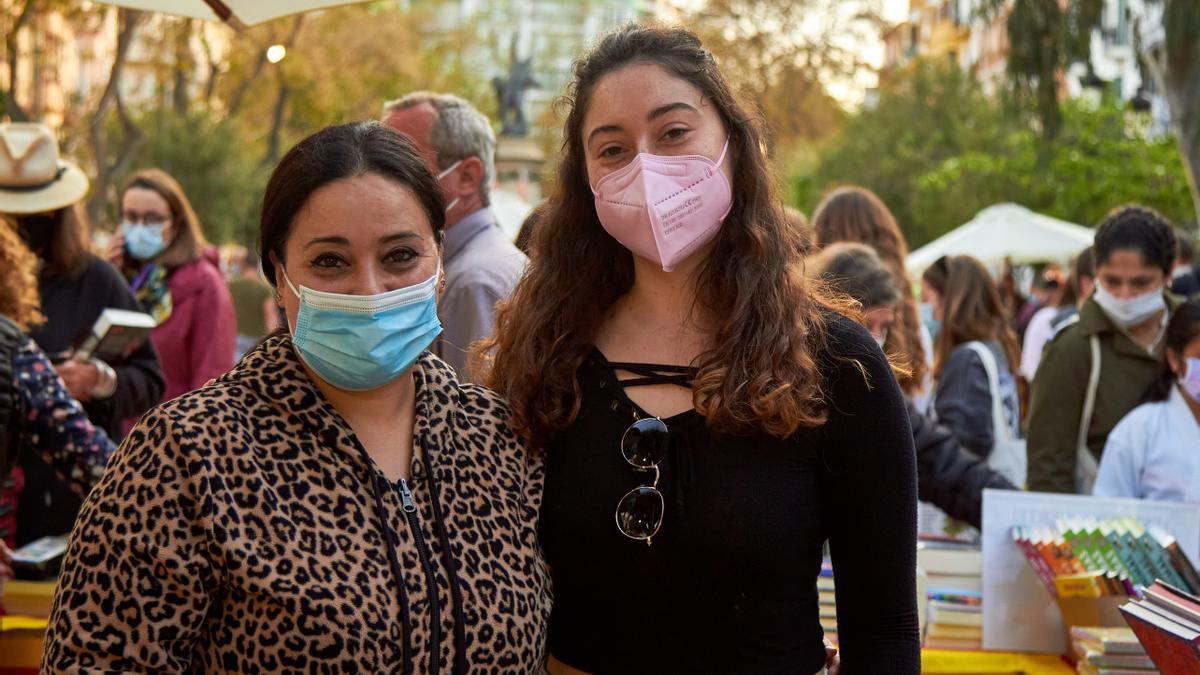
(1182, 329)
(971, 309)
(1137, 228)
(856, 214)
(335, 153)
(760, 373)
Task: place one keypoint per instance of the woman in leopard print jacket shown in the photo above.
(339, 502)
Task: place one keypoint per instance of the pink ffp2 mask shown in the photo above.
(663, 208)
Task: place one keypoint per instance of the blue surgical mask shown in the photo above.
(144, 241)
(931, 324)
(362, 342)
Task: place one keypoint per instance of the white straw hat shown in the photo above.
(33, 179)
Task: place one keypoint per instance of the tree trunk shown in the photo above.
(1179, 81)
(127, 21)
(277, 121)
(11, 45)
(183, 68)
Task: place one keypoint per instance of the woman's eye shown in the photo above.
(328, 260)
(676, 133)
(611, 151)
(400, 255)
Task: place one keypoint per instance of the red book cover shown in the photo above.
(1175, 649)
(1036, 561)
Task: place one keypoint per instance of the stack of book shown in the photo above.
(950, 565)
(954, 620)
(954, 598)
(1109, 651)
(825, 595)
(1167, 622)
(1086, 557)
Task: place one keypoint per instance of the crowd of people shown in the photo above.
(390, 438)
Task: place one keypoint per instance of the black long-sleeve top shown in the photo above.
(729, 583)
(71, 305)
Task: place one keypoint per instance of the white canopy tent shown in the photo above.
(237, 13)
(1006, 231)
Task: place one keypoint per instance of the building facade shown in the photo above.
(959, 31)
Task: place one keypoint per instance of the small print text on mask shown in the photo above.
(674, 219)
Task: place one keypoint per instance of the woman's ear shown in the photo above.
(279, 280)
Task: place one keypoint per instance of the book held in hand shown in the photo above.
(116, 333)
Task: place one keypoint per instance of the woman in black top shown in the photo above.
(75, 287)
(709, 419)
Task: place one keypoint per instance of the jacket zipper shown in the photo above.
(435, 637)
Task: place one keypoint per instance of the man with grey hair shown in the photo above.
(482, 266)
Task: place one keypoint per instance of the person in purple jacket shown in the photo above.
(175, 275)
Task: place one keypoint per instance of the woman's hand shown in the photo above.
(832, 660)
(80, 378)
(116, 250)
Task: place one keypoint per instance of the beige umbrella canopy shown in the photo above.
(236, 13)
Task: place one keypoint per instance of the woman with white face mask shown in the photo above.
(338, 501)
(175, 274)
(1094, 371)
(708, 418)
(1154, 453)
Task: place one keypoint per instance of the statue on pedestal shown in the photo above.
(510, 92)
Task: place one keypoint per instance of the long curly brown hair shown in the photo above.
(18, 279)
(855, 214)
(760, 371)
(971, 309)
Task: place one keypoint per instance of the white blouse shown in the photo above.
(1153, 453)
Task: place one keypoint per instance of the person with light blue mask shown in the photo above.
(340, 484)
(175, 274)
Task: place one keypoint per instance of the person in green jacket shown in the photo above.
(1123, 324)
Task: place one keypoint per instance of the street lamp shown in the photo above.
(275, 53)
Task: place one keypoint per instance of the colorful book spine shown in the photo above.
(1036, 560)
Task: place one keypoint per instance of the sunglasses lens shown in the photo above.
(644, 444)
(640, 513)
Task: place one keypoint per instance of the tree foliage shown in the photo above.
(938, 151)
(1047, 36)
(218, 120)
(779, 54)
(341, 65)
(223, 182)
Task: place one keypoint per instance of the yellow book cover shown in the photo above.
(1089, 585)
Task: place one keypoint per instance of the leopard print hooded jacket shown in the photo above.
(243, 528)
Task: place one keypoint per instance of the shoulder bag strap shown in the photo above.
(999, 423)
(1086, 465)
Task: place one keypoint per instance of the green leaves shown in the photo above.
(937, 151)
